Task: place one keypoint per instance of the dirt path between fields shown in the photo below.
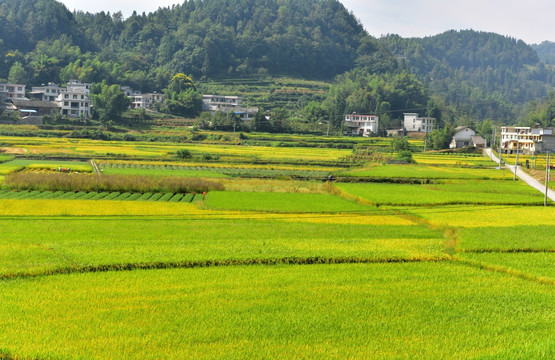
(95, 167)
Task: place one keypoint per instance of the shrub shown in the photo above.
(405, 155)
(183, 154)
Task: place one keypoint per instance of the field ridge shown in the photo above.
(504, 270)
(315, 260)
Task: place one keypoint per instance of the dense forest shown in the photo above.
(546, 52)
(482, 75)
(309, 39)
(458, 76)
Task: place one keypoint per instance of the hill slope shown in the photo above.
(486, 72)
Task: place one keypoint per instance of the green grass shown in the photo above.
(382, 311)
(467, 192)
(280, 202)
(31, 245)
(535, 264)
(427, 172)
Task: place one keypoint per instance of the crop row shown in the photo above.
(237, 172)
(101, 195)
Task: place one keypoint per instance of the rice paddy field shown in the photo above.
(448, 258)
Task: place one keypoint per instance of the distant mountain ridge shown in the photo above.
(489, 73)
(546, 51)
(482, 74)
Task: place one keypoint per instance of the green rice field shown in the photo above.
(280, 202)
(461, 192)
(385, 311)
(427, 172)
(447, 258)
(19, 164)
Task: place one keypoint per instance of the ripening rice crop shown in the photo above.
(507, 238)
(61, 207)
(280, 202)
(467, 192)
(471, 216)
(383, 311)
(427, 172)
(55, 243)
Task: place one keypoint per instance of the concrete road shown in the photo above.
(524, 176)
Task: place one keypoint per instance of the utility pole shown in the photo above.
(516, 161)
(500, 149)
(328, 132)
(493, 141)
(547, 168)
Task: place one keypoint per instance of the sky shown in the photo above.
(531, 20)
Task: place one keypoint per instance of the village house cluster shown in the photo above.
(73, 100)
(367, 125)
(226, 104)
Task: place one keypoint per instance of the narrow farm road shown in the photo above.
(524, 176)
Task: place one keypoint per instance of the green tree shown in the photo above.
(260, 123)
(109, 102)
(400, 144)
(17, 74)
(183, 154)
(182, 97)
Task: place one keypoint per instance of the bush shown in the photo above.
(183, 154)
(405, 155)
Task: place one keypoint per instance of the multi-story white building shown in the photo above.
(48, 92)
(75, 103)
(527, 140)
(12, 91)
(414, 123)
(214, 103)
(146, 100)
(361, 124)
(78, 86)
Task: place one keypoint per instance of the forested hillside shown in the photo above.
(482, 74)
(456, 76)
(546, 52)
(309, 39)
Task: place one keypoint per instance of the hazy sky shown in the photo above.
(531, 20)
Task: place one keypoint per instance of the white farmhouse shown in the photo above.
(214, 103)
(527, 140)
(78, 86)
(414, 123)
(145, 100)
(463, 137)
(12, 91)
(361, 124)
(49, 92)
(75, 103)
